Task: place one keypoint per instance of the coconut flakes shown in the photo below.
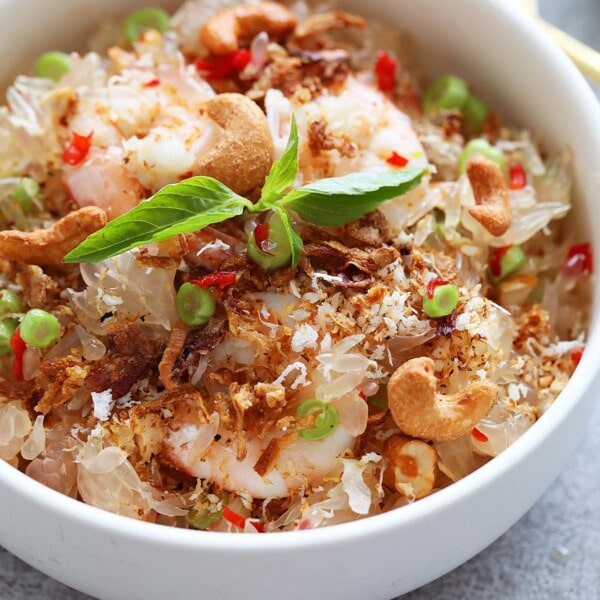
(304, 337)
(301, 379)
(103, 404)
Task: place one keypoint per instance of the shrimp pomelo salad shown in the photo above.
(256, 275)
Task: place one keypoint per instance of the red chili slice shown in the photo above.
(385, 70)
(517, 176)
(239, 520)
(432, 285)
(261, 237)
(258, 526)
(579, 261)
(218, 279)
(479, 436)
(18, 347)
(576, 356)
(220, 67)
(241, 59)
(233, 517)
(495, 262)
(152, 83)
(396, 160)
(78, 149)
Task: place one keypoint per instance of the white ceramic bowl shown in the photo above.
(111, 557)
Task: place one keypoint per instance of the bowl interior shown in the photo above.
(516, 70)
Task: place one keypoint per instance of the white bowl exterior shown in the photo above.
(113, 558)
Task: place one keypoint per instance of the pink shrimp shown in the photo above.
(103, 180)
(302, 463)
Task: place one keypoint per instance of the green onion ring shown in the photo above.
(144, 19)
(326, 419)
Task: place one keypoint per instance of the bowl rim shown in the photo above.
(98, 519)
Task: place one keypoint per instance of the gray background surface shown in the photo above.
(553, 552)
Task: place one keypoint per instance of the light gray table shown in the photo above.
(552, 553)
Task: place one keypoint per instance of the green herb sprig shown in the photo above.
(197, 202)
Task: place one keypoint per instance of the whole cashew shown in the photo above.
(419, 411)
(47, 247)
(223, 32)
(243, 157)
(493, 209)
(410, 466)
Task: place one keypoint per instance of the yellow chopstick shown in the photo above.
(586, 59)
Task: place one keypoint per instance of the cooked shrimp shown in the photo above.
(359, 129)
(169, 153)
(300, 464)
(147, 129)
(103, 180)
(372, 127)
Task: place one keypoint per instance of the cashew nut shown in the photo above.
(419, 411)
(226, 30)
(324, 22)
(493, 209)
(243, 156)
(410, 466)
(47, 247)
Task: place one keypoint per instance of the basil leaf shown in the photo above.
(182, 207)
(339, 200)
(294, 240)
(283, 172)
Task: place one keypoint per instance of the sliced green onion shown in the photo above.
(39, 328)
(195, 305)
(144, 19)
(512, 261)
(9, 302)
(445, 93)
(203, 519)
(278, 252)
(27, 193)
(7, 328)
(480, 147)
(475, 112)
(52, 65)
(444, 301)
(326, 419)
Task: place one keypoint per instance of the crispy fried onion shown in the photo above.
(61, 378)
(303, 74)
(256, 408)
(168, 253)
(174, 347)
(130, 354)
(371, 230)
(324, 22)
(48, 247)
(198, 343)
(186, 348)
(242, 400)
(38, 288)
(351, 267)
(319, 139)
(270, 454)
